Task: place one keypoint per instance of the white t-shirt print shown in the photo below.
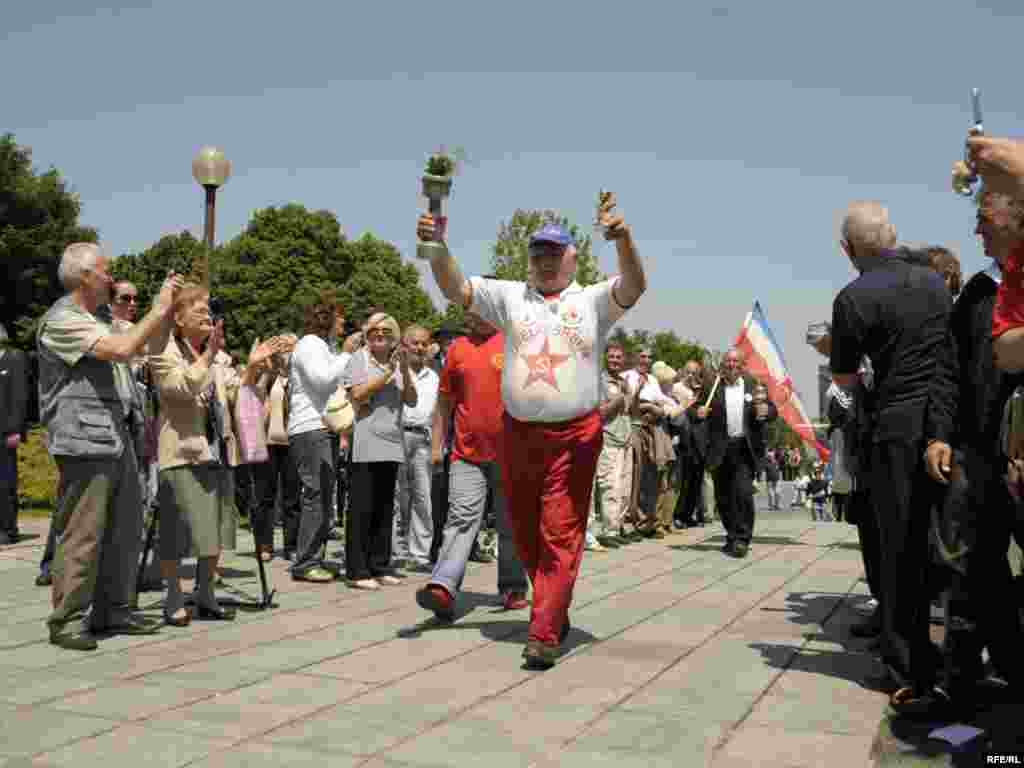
(553, 347)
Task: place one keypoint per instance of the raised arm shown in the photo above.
(155, 326)
(453, 284)
(632, 281)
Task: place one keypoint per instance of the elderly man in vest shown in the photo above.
(93, 421)
(555, 331)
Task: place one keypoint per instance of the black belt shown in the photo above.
(421, 430)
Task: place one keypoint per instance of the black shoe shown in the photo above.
(82, 642)
(204, 613)
(611, 542)
(44, 579)
(133, 625)
(870, 627)
(5, 538)
(727, 547)
(539, 656)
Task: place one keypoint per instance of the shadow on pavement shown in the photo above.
(502, 626)
(830, 614)
(709, 545)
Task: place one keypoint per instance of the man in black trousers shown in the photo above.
(964, 414)
(897, 314)
(13, 427)
(736, 422)
(693, 453)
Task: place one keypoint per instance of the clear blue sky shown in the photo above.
(732, 132)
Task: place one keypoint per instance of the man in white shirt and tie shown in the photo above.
(737, 418)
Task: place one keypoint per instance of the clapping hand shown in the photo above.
(172, 284)
(263, 351)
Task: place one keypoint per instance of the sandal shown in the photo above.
(933, 704)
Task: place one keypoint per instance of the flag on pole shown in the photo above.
(764, 361)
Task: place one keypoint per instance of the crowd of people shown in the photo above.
(926, 377)
(401, 442)
(532, 419)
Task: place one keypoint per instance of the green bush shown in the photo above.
(37, 474)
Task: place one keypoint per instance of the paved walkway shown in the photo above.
(679, 656)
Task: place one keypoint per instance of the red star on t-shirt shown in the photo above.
(542, 366)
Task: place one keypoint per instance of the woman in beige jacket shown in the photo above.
(196, 386)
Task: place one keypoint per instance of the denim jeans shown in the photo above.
(467, 494)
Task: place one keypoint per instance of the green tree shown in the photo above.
(665, 346)
(510, 260)
(38, 220)
(148, 268)
(381, 279)
(284, 257)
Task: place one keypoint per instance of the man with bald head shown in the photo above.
(896, 313)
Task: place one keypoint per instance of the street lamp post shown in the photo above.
(211, 170)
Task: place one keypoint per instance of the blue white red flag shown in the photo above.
(765, 362)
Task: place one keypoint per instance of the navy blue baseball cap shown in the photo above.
(552, 233)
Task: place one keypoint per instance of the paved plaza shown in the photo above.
(679, 656)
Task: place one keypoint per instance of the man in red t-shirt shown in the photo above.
(471, 386)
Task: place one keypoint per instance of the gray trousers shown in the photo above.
(314, 454)
(414, 522)
(467, 499)
(98, 528)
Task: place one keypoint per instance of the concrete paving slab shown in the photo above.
(677, 653)
(134, 745)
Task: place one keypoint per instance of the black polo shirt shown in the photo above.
(896, 313)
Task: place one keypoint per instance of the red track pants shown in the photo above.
(548, 474)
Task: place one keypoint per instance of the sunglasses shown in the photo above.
(127, 299)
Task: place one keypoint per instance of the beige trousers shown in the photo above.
(613, 486)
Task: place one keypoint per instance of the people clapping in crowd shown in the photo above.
(379, 384)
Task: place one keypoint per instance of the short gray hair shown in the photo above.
(867, 228)
(77, 258)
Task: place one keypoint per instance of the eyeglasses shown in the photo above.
(127, 299)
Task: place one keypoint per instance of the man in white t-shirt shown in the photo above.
(414, 522)
(555, 332)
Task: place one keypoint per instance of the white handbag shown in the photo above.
(339, 415)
